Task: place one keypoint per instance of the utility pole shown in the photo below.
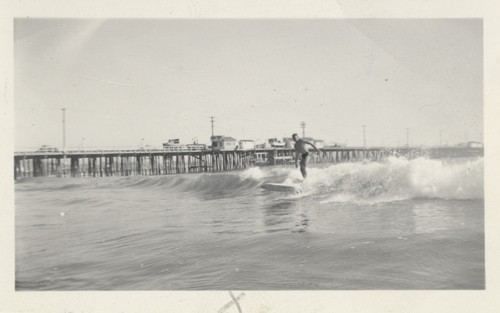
(212, 138)
(408, 137)
(303, 125)
(64, 139)
(212, 121)
(364, 136)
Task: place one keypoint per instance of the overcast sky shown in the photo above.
(124, 80)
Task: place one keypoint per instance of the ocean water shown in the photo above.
(399, 224)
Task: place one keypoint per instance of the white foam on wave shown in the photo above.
(392, 180)
(398, 179)
(286, 174)
(255, 173)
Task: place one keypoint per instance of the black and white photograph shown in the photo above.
(248, 154)
(244, 155)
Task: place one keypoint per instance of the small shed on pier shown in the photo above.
(223, 143)
(246, 144)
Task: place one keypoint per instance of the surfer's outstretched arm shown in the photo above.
(312, 145)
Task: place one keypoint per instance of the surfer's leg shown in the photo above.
(303, 166)
(302, 169)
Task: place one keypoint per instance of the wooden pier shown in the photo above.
(100, 163)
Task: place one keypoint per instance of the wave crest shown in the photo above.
(398, 179)
(394, 179)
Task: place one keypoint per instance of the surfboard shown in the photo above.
(282, 187)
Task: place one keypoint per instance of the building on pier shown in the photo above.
(471, 144)
(246, 144)
(174, 145)
(276, 143)
(223, 143)
(261, 158)
(319, 143)
(288, 142)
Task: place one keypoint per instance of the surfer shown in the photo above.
(302, 152)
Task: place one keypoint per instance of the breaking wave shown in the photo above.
(394, 179)
(398, 179)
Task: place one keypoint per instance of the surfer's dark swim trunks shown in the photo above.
(304, 155)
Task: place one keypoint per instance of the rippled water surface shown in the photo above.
(394, 225)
